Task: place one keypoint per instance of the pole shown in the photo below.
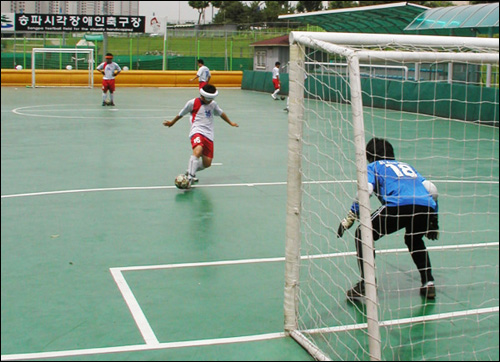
(374, 341)
(165, 46)
(24, 52)
(60, 54)
(130, 51)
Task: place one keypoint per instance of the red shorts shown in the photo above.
(108, 84)
(276, 83)
(202, 84)
(208, 146)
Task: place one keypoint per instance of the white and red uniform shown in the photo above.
(202, 123)
(108, 80)
(204, 75)
(276, 77)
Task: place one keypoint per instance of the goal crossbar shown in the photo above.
(384, 39)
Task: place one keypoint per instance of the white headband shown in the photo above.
(208, 95)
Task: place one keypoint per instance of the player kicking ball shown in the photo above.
(202, 110)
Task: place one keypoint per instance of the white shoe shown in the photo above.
(274, 97)
(428, 290)
(195, 179)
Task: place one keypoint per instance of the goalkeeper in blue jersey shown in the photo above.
(408, 200)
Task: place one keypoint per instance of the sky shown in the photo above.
(175, 11)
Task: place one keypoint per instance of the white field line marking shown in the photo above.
(143, 347)
(129, 188)
(394, 322)
(141, 320)
(134, 307)
(304, 257)
(261, 337)
(21, 112)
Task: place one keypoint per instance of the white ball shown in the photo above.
(182, 182)
(19, 67)
(69, 67)
(125, 68)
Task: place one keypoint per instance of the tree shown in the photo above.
(308, 6)
(351, 4)
(342, 4)
(274, 9)
(200, 6)
(231, 12)
(254, 12)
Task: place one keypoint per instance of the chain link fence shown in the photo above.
(178, 50)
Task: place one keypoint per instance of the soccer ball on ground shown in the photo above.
(69, 67)
(282, 98)
(182, 182)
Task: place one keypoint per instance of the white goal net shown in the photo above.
(435, 100)
(77, 64)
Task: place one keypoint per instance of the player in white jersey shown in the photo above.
(110, 70)
(203, 110)
(276, 80)
(203, 74)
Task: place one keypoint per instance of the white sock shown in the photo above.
(276, 92)
(192, 166)
(200, 166)
(104, 97)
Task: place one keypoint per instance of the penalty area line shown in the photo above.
(143, 347)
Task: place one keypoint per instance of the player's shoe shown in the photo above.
(104, 104)
(286, 109)
(274, 97)
(428, 290)
(111, 104)
(357, 292)
(195, 179)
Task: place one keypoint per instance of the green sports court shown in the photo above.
(104, 259)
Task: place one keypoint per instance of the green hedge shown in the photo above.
(143, 62)
(456, 101)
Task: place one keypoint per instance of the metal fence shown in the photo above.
(178, 50)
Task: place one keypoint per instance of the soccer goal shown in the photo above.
(79, 63)
(436, 100)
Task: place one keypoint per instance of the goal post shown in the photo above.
(73, 59)
(436, 100)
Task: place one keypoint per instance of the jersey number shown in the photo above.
(402, 169)
(197, 140)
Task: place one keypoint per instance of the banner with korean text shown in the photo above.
(79, 23)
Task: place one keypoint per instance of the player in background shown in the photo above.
(110, 70)
(276, 80)
(203, 74)
(408, 201)
(202, 110)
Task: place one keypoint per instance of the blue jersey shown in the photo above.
(397, 184)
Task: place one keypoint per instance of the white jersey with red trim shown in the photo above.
(203, 73)
(109, 69)
(202, 117)
(276, 73)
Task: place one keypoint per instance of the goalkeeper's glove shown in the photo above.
(433, 230)
(346, 223)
